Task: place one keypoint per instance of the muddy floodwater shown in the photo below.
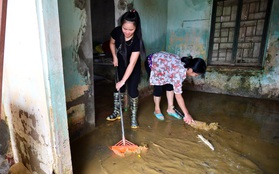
(247, 140)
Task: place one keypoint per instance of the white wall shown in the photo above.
(33, 95)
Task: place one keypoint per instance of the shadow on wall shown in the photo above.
(4, 146)
(4, 138)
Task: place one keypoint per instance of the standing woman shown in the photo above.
(168, 71)
(126, 46)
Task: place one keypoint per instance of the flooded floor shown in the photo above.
(247, 140)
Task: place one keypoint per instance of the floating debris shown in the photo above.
(206, 142)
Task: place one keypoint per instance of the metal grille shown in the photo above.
(238, 32)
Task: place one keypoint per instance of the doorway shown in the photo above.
(102, 21)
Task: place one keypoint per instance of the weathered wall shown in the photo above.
(120, 7)
(153, 16)
(154, 23)
(270, 75)
(188, 33)
(76, 38)
(188, 27)
(33, 87)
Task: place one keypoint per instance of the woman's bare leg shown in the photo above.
(157, 101)
(170, 96)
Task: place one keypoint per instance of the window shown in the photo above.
(238, 32)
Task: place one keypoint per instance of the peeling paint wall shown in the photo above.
(188, 32)
(77, 54)
(270, 75)
(33, 87)
(31, 143)
(120, 7)
(188, 27)
(72, 25)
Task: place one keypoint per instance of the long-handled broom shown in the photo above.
(123, 146)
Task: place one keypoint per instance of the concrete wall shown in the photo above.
(154, 23)
(188, 31)
(188, 27)
(269, 78)
(33, 87)
(154, 28)
(76, 39)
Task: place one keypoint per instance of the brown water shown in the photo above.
(247, 140)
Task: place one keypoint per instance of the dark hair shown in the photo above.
(197, 64)
(132, 16)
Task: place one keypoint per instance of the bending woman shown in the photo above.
(168, 71)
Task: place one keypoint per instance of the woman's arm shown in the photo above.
(113, 51)
(129, 70)
(180, 101)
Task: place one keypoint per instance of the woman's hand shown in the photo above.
(118, 85)
(129, 70)
(115, 61)
(188, 119)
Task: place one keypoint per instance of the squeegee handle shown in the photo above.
(120, 105)
(178, 112)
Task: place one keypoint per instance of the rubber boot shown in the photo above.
(116, 109)
(134, 109)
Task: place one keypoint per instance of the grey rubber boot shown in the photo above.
(116, 112)
(134, 109)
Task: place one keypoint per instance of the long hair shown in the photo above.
(197, 64)
(132, 16)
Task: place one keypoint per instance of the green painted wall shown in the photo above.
(154, 23)
(270, 75)
(77, 66)
(188, 31)
(154, 28)
(72, 26)
(188, 27)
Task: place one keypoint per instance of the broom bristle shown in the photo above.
(125, 143)
(121, 149)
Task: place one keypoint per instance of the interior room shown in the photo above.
(58, 86)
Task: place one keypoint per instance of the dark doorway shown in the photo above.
(102, 16)
(103, 22)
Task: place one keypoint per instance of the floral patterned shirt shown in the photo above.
(167, 68)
